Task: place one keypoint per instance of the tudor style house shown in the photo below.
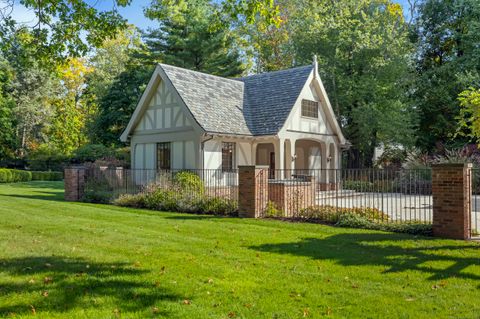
(191, 120)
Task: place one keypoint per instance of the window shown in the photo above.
(228, 155)
(310, 108)
(163, 155)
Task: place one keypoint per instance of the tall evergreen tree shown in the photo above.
(187, 38)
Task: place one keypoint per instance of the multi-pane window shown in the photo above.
(310, 108)
(228, 156)
(163, 155)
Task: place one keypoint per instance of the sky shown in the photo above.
(133, 13)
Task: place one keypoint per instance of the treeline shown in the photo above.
(395, 79)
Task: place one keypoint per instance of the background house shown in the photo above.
(191, 120)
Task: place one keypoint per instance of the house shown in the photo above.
(191, 120)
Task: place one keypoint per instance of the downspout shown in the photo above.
(202, 147)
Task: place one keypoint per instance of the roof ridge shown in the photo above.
(204, 73)
(276, 71)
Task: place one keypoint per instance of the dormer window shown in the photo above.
(310, 109)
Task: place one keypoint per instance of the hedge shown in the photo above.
(15, 175)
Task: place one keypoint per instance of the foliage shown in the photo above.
(218, 206)
(15, 175)
(98, 191)
(188, 182)
(118, 103)
(332, 214)
(46, 157)
(358, 221)
(46, 176)
(469, 118)
(447, 63)
(8, 141)
(186, 38)
(92, 152)
(363, 49)
(271, 210)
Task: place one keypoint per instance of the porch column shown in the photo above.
(279, 147)
(254, 153)
(292, 154)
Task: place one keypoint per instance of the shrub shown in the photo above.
(218, 206)
(47, 176)
(130, 200)
(161, 200)
(97, 191)
(92, 152)
(46, 158)
(188, 182)
(14, 175)
(332, 214)
(412, 227)
(271, 210)
(6, 175)
(21, 176)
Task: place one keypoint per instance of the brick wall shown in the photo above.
(253, 190)
(451, 191)
(74, 178)
(291, 197)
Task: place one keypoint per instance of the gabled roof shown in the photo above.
(269, 98)
(253, 105)
(216, 103)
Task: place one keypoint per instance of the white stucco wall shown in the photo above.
(165, 120)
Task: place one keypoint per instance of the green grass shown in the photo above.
(75, 260)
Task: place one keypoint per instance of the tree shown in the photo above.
(448, 62)
(117, 105)
(469, 118)
(187, 39)
(7, 118)
(363, 50)
(71, 111)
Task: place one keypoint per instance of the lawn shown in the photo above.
(75, 260)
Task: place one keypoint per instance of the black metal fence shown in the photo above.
(325, 194)
(114, 182)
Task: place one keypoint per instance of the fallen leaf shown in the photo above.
(47, 280)
(409, 299)
(32, 308)
(247, 305)
(136, 264)
(231, 314)
(210, 280)
(305, 312)
(155, 310)
(329, 311)
(187, 302)
(354, 286)
(31, 281)
(434, 287)
(116, 312)
(45, 293)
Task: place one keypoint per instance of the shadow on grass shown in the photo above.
(56, 284)
(397, 253)
(52, 191)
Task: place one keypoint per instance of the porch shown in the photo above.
(297, 158)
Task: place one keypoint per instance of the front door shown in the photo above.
(272, 165)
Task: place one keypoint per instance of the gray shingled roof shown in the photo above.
(253, 105)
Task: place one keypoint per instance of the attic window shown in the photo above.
(310, 109)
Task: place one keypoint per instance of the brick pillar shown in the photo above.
(451, 192)
(74, 178)
(252, 190)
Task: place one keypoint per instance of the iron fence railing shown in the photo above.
(380, 195)
(186, 183)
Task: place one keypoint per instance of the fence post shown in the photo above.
(451, 192)
(252, 190)
(74, 178)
